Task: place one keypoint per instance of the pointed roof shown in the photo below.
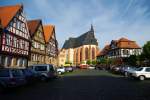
(92, 29)
(33, 25)
(48, 31)
(104, 50)
(7, 13)
(87, 38)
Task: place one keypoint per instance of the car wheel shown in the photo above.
(59, 72)
(126, 74)
(141, 78)
(1, 88)
(43, 78)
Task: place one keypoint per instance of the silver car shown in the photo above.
(47, 71)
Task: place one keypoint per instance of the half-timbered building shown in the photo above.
(37, 46)
(120, 49)
(14, 37)
(51, 44)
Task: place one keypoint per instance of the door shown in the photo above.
(147, 72)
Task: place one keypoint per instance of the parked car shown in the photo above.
(69, 69)
(126, 70)
(141, 73)
(30, 75)
(91, 67)
(60, 70)
(47, 71)
(11, 78)
(115, 70)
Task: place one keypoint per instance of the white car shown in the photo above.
(91, 67)
(60, 70)
(141, 73)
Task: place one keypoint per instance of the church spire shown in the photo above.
(92, 29)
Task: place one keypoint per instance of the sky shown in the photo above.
(112, 19)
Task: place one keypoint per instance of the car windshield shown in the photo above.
(51, 68)
(139, 69)
(41, 68)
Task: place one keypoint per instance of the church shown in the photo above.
(79, 50)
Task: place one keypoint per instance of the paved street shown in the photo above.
(84, 85)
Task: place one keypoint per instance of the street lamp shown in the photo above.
(1, 27)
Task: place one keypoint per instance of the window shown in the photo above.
(42, 47)
(16, 73)
(51, 68)
(139, 69)
(81, 54)
(20, 62)
(41, 68)
(4, 73)
(24, 62)
(125, 52)
(93, 53)
(9, 61)
(86, 53)
(8, 39)
(147, 69)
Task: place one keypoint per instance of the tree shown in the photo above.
(132, 60)
(103, 61)
(67, 62)
(89, 62)
(94, 62)
(110, 61)
(146, 50)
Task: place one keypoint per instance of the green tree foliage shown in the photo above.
(94, 62)
(67, 62)
(146, 50)
(89, 62)
(111, 61)
(103, 61)
(132, 60)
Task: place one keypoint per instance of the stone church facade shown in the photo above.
(79, 50)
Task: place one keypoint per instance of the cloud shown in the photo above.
(111, 19)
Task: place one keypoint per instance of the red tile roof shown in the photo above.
(121, 43)
(48, 31)
(33, 25)
(125, 43)
(104, 50)
(7, 13)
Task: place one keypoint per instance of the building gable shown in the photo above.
(39, 34)
(49, 32)
(7, 13)
(18, 25)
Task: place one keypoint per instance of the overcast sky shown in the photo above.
(112, 19)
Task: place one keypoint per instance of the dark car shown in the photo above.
(30, 75)
(116, 70)
(11, 78)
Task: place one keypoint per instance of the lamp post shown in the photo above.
(1, 32)
(1, 27)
